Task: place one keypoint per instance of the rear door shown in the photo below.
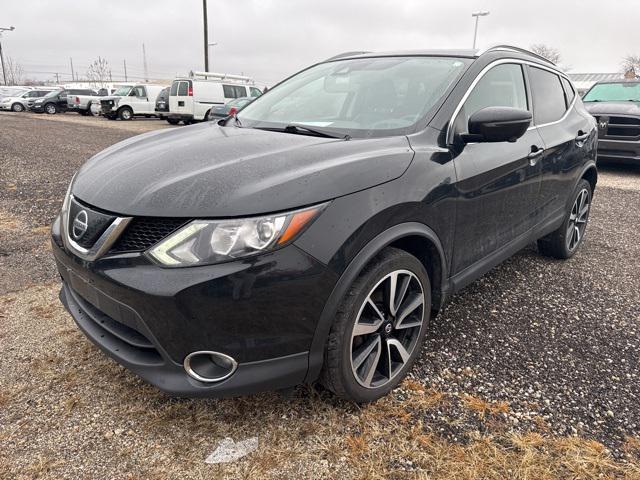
(498, 183)
(181, 97)
(568, 138)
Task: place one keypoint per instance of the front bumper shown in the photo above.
(262, 312)
(622, 151)
(5, 106)
(36, 108)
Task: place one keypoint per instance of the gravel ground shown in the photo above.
(536, 346)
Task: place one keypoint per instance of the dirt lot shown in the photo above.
(531, 372)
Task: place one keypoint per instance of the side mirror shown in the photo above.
(497, 124)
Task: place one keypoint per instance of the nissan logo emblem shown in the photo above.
(80, 224)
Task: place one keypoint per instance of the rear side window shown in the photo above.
(569, 92)
(548, 96)
(174, 89)
(502, 86)
(183, 88)
(234, 91)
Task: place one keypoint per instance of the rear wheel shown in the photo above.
(51, 108)
(173, 121)
(125, 113)
(17, 107)
(564, 242)
(379, 329)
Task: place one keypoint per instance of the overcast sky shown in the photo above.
(270, 39)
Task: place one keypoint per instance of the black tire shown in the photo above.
(125, 113)
(173, 121)
(51, 108)
(17, 107)
(338, 372)
(563, 243)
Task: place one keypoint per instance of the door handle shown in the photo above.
(581, 137)
(534, 155)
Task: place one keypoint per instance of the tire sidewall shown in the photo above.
(405, 262)
(50, 108)
(583, 184)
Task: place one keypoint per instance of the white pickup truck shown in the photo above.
(82, 103)
(130, 101)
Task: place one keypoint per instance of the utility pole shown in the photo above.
(57, 79)
(125, 71)
(475, 31)
(144, 59)
(73, 77)
(206, 35)
(4, 71)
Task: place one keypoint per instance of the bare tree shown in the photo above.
(631, 66)
(98, 71)
(550, 53)
(15, 72)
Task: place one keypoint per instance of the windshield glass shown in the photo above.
(614, 92)
(122, 91)
(358, 97)
(52, 93)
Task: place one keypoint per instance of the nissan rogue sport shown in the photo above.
(313, 235)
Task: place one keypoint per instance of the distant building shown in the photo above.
(584, 81)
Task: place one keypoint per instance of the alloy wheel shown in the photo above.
(387, 329)
(578, 220)
(51, 109)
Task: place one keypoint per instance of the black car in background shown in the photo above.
(312, 236)
(162, 102)
(56, 101)
(230, 108)
(616, 107)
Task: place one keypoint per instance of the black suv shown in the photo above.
(616, 107)
(313, 235)
(56, 101)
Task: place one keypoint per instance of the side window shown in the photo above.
(183, 88)
(174, 89)
(255, 92)
(229, 91)
(140, 92)
(569, 92)
(502, 86)
(548, 96)
(241, 92)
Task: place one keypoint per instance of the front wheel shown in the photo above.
(564, 242)
(17, 107)
(125, 113)
(173, 121)
(51, 108)
(379, 329)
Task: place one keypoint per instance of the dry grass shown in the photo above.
(483, 408)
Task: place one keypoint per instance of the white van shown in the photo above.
(131, 100)
(190, 99)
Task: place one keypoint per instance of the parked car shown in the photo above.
(616, 107)
(230, 108)
(313, 235)
(191, 99)
(162, 103)
(82, 103)
(129, 102)
(19, 103)
(11, 91)
(55, 101)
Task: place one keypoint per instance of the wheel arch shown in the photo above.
(590, 174)
(412, 237)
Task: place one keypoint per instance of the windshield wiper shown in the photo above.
(300, 130)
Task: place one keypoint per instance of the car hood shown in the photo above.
(606, 108)
(208, 170)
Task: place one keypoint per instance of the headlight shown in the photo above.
(212, 241)
(38, 101)
(6, 100)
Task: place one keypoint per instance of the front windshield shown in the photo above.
(52, 93)
(614, 92)
(122, 91)
(358, 97)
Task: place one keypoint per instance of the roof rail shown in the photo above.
(346, 54)
(514, 49)
(222, 76)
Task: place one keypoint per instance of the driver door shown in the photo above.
(498, 183)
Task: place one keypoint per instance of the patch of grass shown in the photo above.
(483, 408)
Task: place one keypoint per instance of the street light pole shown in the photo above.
(206, 35)
(4, 71)
(475, 31)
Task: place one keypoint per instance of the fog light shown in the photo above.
(209, 367)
